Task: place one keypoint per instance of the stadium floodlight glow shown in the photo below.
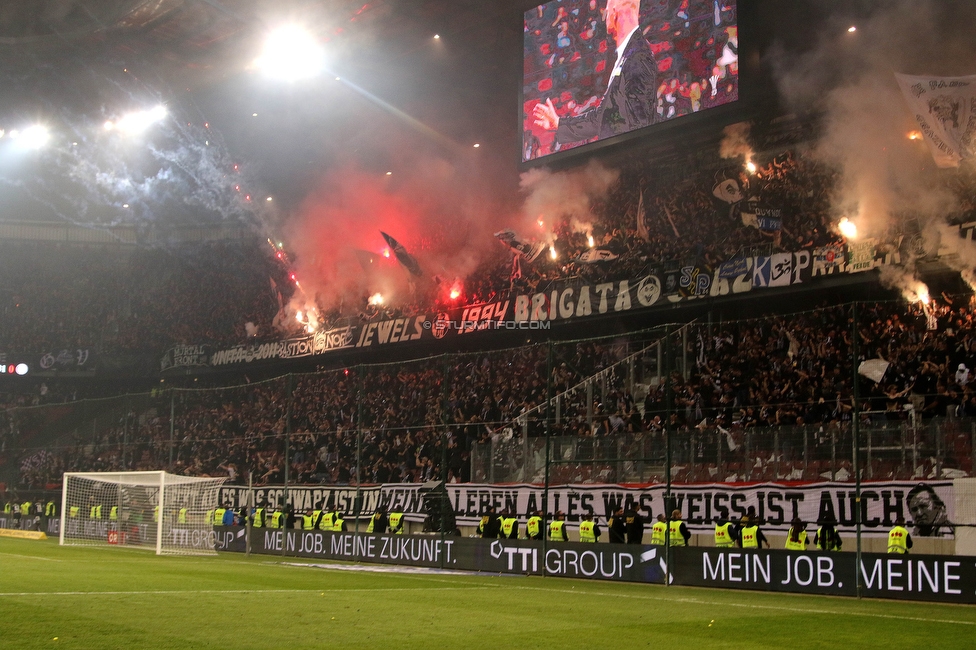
(33, 137)
(137, 121)
(290, 53)
(852, 29)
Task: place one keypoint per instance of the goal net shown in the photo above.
(153, 510)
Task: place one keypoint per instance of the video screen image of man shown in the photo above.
(595, 69)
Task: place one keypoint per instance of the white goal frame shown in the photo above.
(156, 485)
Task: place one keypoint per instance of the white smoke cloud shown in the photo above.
(886, 179)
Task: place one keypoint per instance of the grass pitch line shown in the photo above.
(173, 592)
(32, 557)
(795, 610)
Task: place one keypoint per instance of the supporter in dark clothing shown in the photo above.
(617, 526)
(635, 525)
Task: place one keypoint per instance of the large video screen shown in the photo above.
(595, 69)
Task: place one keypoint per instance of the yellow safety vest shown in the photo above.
(898, 540)
(73, 512)
(155, 513)
(508, 525)
(8, 508)
(723, 538)
(676, 539)
(25, 509)
(750, 537)
(50, 509)
(395, 519)
(586, 531)
(307, 521)
(657, 533)
(372, 520)
(532, 526)
(316, 518)
(95, 512)
(219, 516)
(800, 544)
(113, 514)
(337, 524)
(258, 519)
(556, 533)
(181, 517)
(325, 523)
(831, 545)
(276, 520)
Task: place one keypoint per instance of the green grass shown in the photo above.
(72, 593)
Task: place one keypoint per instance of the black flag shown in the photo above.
(403, 256)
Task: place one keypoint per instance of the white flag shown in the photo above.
(945, 109)
(873, 369)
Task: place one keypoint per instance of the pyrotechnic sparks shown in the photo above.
(589, 241)
(750, 167)
(137, 121)
(914, 135)
(552, 252)
(847, 228)
(376, 299)
(456, 289)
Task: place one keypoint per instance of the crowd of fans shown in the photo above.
(57, 297)
(764, 399)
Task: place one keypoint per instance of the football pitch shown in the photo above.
(75, 597)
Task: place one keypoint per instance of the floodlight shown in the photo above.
(33, 137)
(291, 53)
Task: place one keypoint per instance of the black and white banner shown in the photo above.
(910, 577)
(929, 505)
(572, 300)
(945, 110)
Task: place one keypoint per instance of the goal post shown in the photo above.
(167, 513)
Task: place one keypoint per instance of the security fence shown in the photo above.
(772, 400)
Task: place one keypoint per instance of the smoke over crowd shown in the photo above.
(887, 179)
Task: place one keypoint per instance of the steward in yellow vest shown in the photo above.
(396, 523)
(325, 523)
(277, 519)
(796, 539)
(73, 512)
(308, 520)
(678, 534)
(533, 527)
(827, 538)
(218, 517)
(557, 528)
(724, 534)
(113, 513)
(657, 531)
(509, 529)
(589, 531)
(25, 509)
(316, 518)
(899, 540)
(95, 512)
(339, 524)
(8, 508)
(50, 509)
(751, 537)
(181, 515)
(257, 521)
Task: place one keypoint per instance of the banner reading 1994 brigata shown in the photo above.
(929, 505)
(572, 300)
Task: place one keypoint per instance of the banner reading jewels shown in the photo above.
(571, 300)
(931, 506)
